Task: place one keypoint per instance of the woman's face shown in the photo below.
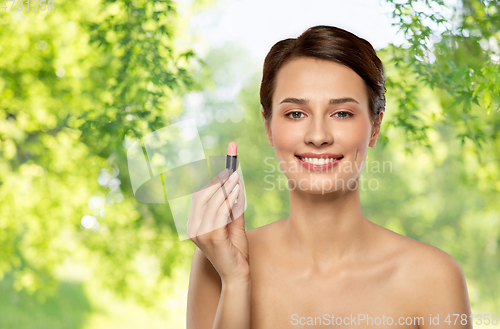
(320, 107)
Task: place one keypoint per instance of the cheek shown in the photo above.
(352, 136)
(285, 136)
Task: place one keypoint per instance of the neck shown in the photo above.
(325, 229)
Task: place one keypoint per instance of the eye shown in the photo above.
(344, 115)
(293, 117)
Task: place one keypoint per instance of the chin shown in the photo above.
(312, 184)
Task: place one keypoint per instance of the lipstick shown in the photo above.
(231, 158)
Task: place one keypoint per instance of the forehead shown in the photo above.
(318, 79)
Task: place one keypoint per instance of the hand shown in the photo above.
(217, 226)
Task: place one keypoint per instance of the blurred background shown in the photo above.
(82, 80)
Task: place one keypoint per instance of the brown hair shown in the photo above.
(329, 43)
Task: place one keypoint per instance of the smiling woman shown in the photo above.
(333, 105)
(322, 97)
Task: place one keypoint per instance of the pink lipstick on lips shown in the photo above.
(231, 158)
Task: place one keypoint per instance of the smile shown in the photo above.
(319, 162)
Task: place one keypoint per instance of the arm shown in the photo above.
(203, 294)
(213, 303)
(219, 288)
(234, 306)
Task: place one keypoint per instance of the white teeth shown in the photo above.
(317, 161)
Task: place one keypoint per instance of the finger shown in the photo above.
(199, 202)
(222, 193)
(227, 211)
(219, 178)
(206, 192)
(237, 221)
(209, 217)
(220, 217)
(196, 214)
(207, 209)
(241, 194)
(239, 203)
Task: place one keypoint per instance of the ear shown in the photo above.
(376, 130)
(268, 128)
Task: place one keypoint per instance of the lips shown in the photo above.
(319, 155)
(329, 160)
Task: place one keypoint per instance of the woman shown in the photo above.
(322, 96)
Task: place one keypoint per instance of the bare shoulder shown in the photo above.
(436, 275)
(428, 273)
(264, 235)
(422, 261)
(264, 247)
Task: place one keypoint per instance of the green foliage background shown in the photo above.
(128, 69)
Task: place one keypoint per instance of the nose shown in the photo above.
(319, 132)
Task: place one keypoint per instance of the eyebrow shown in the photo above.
(305, 101)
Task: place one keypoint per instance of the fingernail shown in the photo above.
(233, 176)
(223, 173)
(235, 187)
